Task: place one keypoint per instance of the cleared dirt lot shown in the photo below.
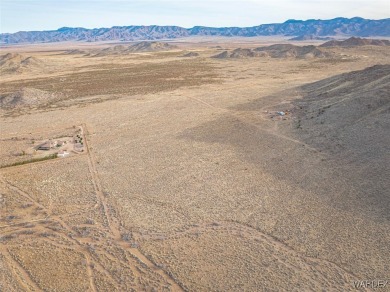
(188, 183)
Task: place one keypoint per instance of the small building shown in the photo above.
(78, 147)
(62, 154)
(45, 146)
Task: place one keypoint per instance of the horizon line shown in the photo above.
(188, 28)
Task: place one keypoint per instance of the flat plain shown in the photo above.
(199, 173)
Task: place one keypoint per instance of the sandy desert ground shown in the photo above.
(190, 179)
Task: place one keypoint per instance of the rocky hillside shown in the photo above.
(348, 117)
(339, 26)
(309, 37)
(191, 54)
(276, 51)
(291, 51)
(136, 48)
(239, 53)
(121, 33)
(151, 47)
(27, 97)
(356, 42)
(17, 63)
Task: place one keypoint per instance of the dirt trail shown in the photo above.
(242, 230)
(53, 218)
(81, 245)
(90, 273)
(24, 222)
(21, 273)
(96, 180)
(114, 225)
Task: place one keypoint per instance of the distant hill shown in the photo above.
(308, 37)
(291, 51)
(356, 42)
(136, 48)
(119, 33)
(75, 52)
(27, 97)
(276, 51)
(238, 53)
(191, 54)
(17, 63)
(151, 47)
(339, 26)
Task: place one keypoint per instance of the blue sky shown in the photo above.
(17, 15)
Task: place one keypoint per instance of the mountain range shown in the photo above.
(356, 26)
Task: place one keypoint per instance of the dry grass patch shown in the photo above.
(144, 78)
(62, 185)
(52, 268)
(219, 260)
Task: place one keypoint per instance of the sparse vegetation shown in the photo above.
(299, 124)
(48, 157)
(186, 182)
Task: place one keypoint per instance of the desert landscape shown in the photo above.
(196, 164)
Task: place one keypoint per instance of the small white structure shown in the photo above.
(78, 147)
(62, 154)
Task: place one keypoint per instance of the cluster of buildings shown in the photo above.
(64, 146)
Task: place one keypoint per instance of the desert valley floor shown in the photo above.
(196, 170)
